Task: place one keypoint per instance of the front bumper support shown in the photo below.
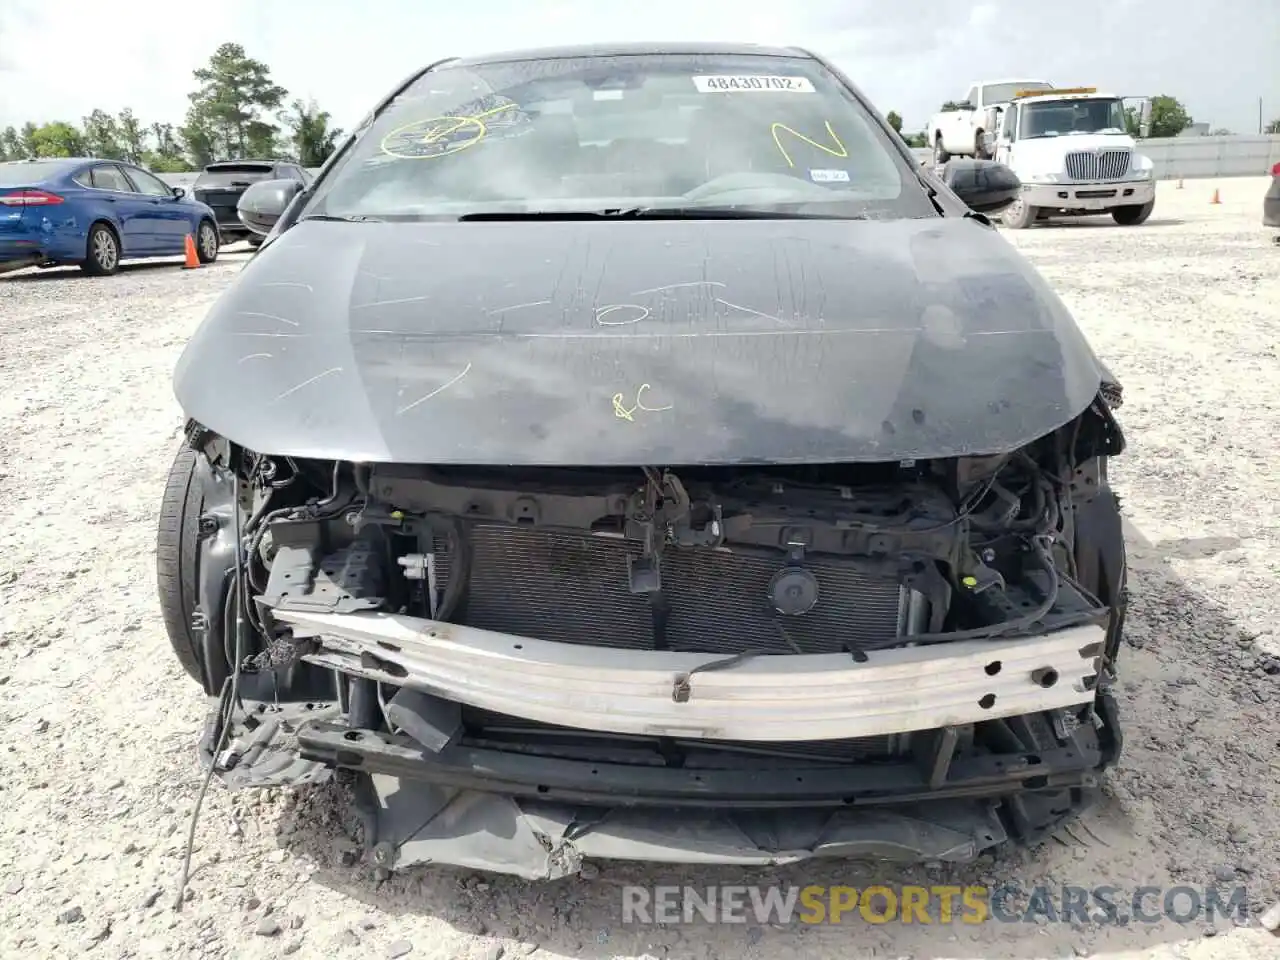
(657, 693)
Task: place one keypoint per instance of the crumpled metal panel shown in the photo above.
(421, 823)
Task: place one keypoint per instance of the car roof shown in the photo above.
(631, 49)
(67, 162)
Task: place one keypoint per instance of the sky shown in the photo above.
(60, 59)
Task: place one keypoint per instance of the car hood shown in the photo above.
(637, 342)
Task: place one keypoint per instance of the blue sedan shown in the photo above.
(95, 213)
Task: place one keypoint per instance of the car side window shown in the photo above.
(147, 184)
(107, 176)
(291, 172)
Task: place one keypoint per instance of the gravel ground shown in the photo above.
(99, 772)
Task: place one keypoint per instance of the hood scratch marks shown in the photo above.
(255, 356)
(307, 383)
(268, 316)
(677, 286)
(518, 306)
(288, 283)
(387, 303)
(756, 313)
(438, 390)
(602, 312)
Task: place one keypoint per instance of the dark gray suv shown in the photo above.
(221, 184)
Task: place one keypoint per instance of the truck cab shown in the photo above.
(1072, 150)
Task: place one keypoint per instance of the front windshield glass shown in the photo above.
(1060, 118)
(769, 135)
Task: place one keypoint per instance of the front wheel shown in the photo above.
(207, 242)
(177, 558)
(940, 155)
(1131, 216)
(1019, 215)
(102, 251)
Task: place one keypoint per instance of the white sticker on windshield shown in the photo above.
(606, 95)
(752, 84)
(829, 176)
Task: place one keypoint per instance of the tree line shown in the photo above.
(236, 112)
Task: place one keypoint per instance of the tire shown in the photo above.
(979, 148)
(254, 240)
(1019, 215)
(101, 251)
(207, 242)
(1133, 215)
(177, 558)
(940, 155)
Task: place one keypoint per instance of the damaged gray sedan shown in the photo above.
(633, 453)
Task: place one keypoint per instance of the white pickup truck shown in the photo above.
(960, 132)
(1074, 155)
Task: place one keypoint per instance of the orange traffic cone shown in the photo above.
(1215, 199)
(189, 247)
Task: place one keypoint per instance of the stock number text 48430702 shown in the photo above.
(743, 83)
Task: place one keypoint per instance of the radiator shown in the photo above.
(574, 589)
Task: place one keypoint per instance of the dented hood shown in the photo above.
(637, 342)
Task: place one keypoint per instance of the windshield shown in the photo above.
(239, 175)
(1055, 118)
(759, 134)
(1004, 92)
(22, 172)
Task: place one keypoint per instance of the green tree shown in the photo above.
(11, 144)
(1168, 118)
(58, 139)
(132, 137)
(260, 139)
(102, 136)
(951, 105)
(1272, 127)
(28, 138)
(312, 137)
(167, 157)
(895, 120)
(920, 139)
(234, 95)
(199, 137)
(159, 163)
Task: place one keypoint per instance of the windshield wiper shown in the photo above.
(656, 213)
